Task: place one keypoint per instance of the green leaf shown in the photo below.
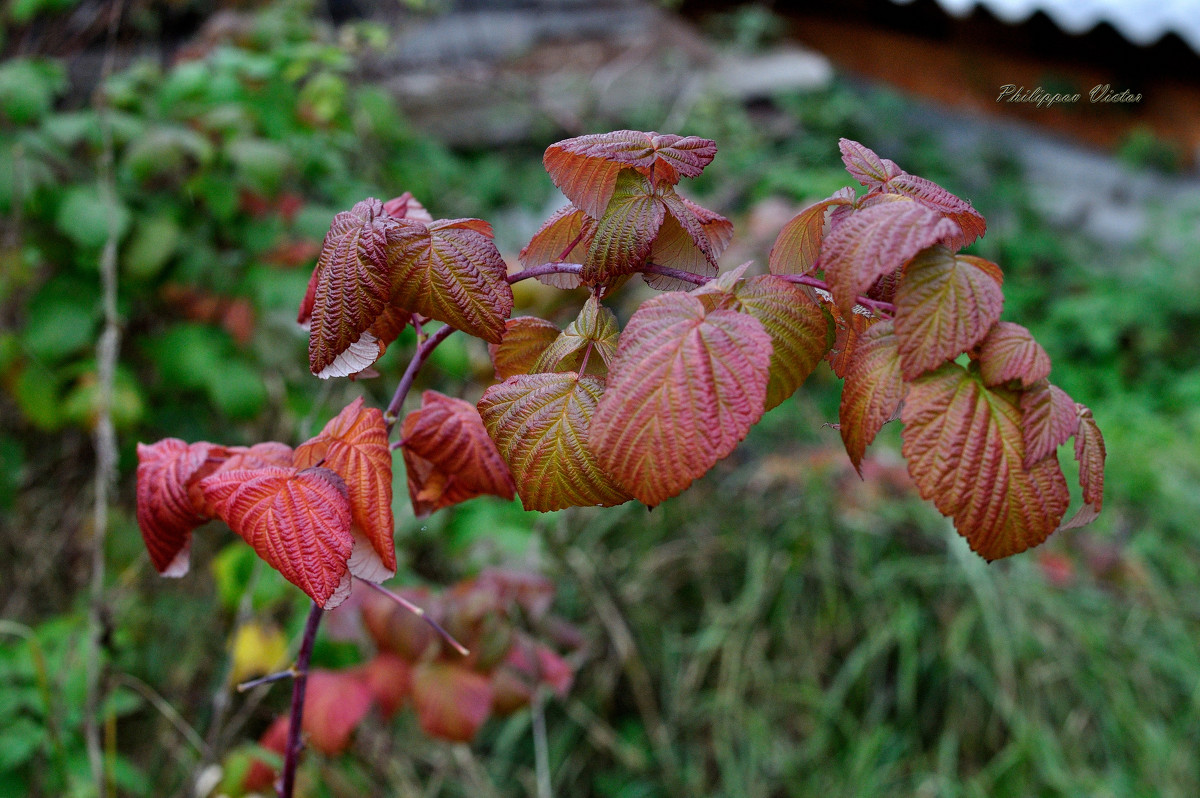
(83, 217)
(152, 245)
(799, 331)
(525, 339)
(58, 326)
(29, 87)
(237, 390)
(540, 423)
(596, 325)
(966, 453)
(20, 741)
(944, 306)
(686, 386)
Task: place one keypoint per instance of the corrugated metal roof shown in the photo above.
(1142, 22)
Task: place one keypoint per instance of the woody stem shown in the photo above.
(424, 350)
(287, 778)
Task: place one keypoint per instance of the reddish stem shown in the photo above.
(874, 304)
(678, 274)
(287, 778)
(544, 269)
(424, 350)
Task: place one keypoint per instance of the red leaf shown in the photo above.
(873, 390)
(685, 388)
(166, 513)
(1090, 453)
(1009, 352)
(335, 705)
(406, 207)
(298, 521)
(846, 332)
(798, 328)
(971, 224)
(798, 244)
(865, 166)
(625, 232)
(565, 237)
(528, 664)
(260, 775)
(540, 424)
(533, 593)
(525, 339)
(585, 168)
(389, 678)
(1047, 420)
(350, 288)
(449, 456)
(966, 453)
(452, 702)
(354, 444)
(876, 240)
(451, 271)
(944, 306)
(718, 229)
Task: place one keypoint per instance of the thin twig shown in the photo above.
(287, 778)
(813, 282)
(545, 269)
(420, 613)
(541, 750)
(270, 678)
(678, 274)
(424, 350)
(104, 436)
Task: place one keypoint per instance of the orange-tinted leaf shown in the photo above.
(798, 328)
(540, 424)
(406, 207)
(298, 521)
(1047, 419)
(1009, 352)
(390, 324)
(237, 458)
(525, 339)
(991, 269)
(971, 224)
(350, 287)
(1090, 453)
(452, 702)
(966, 453)
(389, 678)
(798, 244)
(585, 168)
(354, 444)
(564, 238)
(685, 241)
(449, 456)
(944, 306)
(876, 240)
(166, 513)
(685, 388)
(718, 229)
(865, 166)
(846, 332)
(626, 231)
(873, 390)
(596, 325)
(336, 703)
(451, 271)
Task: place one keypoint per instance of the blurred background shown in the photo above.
(781, 629)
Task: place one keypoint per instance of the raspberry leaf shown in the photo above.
(865, 166)
(298, 521)
(566, 237)
(525, 339)
(166, 512)
(626, 231)
(944, 306)
(1090, 453)
(798, 328)
(685, 388)
(1048, 419)
(873, 390)
(798, 245)
(966, 453)
(449, 456)
(540, 423)
(1009, 352)
(596, 325)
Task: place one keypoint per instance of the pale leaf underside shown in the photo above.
(540, 424)
(944, 306)
(1090, 452)
(965, 452)
(685, 388)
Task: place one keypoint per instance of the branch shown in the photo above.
(420, 613)
(678, 274)
(424, 350)
(287, 778)
(874, 304)
(543, 270)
